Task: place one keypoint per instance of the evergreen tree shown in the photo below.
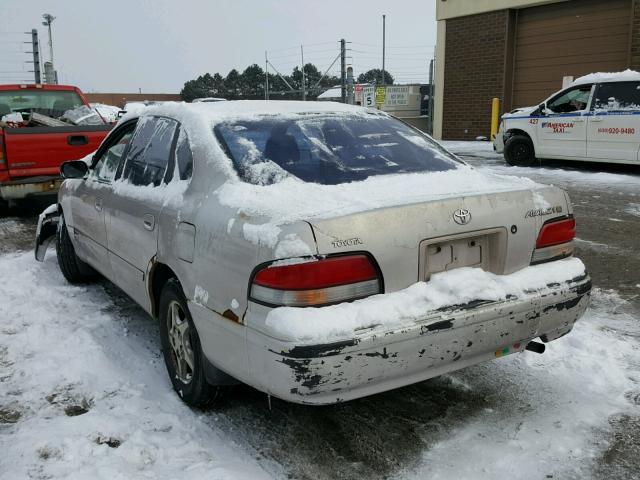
(252, 82)
(232, 85)
(375, 76)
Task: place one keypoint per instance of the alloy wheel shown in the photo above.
(180, 341)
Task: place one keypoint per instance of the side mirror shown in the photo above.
(74, 169)
(542, 109)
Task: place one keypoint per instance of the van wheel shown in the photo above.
(181, 349)
(519, 151)
(73, 269)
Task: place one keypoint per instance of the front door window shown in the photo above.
(573, 100)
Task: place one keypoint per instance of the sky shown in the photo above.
(156, 46)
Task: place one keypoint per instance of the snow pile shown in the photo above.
(459, 286)
(493, 163)
(625, 76)
(633, 209)
(545, 416)
(85, 393)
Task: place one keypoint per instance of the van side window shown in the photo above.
(572, 100)
(618, 96)
(150, 150)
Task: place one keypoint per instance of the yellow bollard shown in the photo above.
(495, 117)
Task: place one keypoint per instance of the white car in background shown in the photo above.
(596, 118)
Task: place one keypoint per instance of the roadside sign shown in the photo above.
(385, 96)
(396, 96)
(368, 96)
(380, 95)
(357, 89)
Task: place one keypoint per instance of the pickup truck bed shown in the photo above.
(30, 156)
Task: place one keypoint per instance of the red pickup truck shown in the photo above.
(35, 137)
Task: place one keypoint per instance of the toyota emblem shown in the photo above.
(462, 216)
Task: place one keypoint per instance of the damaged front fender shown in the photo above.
(47, 228)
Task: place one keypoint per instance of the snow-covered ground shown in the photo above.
(84, 392)
(564, 174)
(549, 411)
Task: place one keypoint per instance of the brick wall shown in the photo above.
(634, 60)
(119, 99)
(473, 73)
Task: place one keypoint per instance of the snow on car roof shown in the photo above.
(216, 111)
(292, 199)
(627, 75)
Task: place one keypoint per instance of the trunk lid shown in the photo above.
(411, 242)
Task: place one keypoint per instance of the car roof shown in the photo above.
(216, 112)
(605, 77)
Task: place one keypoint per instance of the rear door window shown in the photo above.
(150, 151)
(617, 97)
(184, 158)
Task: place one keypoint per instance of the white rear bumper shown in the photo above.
(441, 341)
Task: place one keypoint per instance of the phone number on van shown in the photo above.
(618, 131)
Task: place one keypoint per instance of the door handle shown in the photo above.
(597, 119)
(98, 204)
(149, 222)
(578, 120)
(77, 140)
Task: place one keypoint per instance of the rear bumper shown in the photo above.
(29, 186)
(440, 342)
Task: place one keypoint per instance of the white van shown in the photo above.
(596, 118)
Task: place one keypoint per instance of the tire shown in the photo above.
(181, 346)
(73, 269)
(519, 151)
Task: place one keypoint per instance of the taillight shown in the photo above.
(317, 282)
(555, 240)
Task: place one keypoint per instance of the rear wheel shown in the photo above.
(73, 269)
(519, 151)
(181, 349)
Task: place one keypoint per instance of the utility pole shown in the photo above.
(304, 87)
(35, 50)
(431, 90)
(384, 21)
(343, 69)
(48, 20)
(350, 97)
(266, 76)
(51, 75)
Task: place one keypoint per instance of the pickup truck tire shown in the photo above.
(519, 151)
(73, 269)
(181, 349)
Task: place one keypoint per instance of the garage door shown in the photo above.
(570, 38)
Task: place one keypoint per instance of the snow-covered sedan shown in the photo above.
(318, 252)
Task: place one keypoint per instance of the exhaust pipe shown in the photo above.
(536, 347)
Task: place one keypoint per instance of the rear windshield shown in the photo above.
(48, 102)
(328, 149)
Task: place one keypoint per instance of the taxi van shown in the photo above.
(596, 118)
